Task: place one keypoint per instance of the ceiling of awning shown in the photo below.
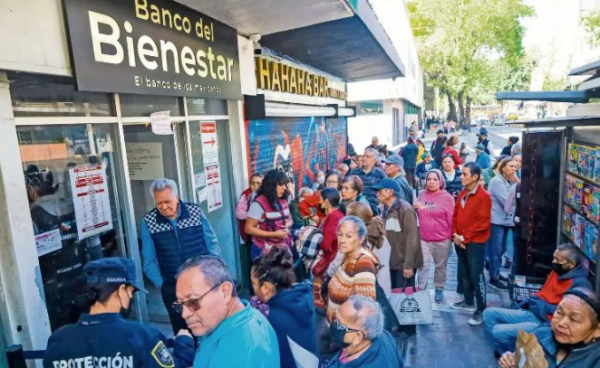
(271, 16)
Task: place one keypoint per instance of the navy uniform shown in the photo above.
(107, 340)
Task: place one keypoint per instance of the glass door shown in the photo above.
(212, 180)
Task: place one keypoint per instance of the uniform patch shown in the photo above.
(163, 356)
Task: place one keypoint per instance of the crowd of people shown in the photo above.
(325, 261)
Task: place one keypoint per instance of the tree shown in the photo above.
(457, 38)
(591, 23)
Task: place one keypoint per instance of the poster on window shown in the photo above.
(210, 144)
(145, 161)
(91, 200)
(213, 185)
(48, 242)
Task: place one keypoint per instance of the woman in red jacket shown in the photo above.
(450, 143)
(330, 203)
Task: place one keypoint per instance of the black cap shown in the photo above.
(113, 270)
(440, 131)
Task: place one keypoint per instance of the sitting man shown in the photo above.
(568, 273)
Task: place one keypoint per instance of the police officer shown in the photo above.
(103, 338)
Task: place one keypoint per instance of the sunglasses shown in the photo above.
(192, 304)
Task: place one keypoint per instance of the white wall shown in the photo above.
(393, 15)
(363, 127)
(33, 37)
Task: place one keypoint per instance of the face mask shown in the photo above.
(126, 312)
(558, 268)
(338, 332)
(320, 179)
(578, 345)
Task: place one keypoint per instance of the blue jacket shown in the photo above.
(245, 339)
(167, 243)
(409, 154)
(483, 160)
(553, 290)
(292, 314)
(422, 169)
(369, 181)
(383, 353)
(102, 339)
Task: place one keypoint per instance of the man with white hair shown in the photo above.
(358, 330)
(374, 143)
(171, 233)
(343, 168)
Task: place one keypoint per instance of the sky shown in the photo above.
(555, 33)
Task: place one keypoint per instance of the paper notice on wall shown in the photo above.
(91, 200)
(48, 242)
(213, 185)
(199, 180)
(145, 161)
(161, 124)
(202, 195)
(104, 144)
(210, 144)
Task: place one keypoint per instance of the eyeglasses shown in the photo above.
(330, 182)
(192, 304)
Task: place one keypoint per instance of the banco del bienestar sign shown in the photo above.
(151, 47)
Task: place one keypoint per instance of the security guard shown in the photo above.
(103, 338)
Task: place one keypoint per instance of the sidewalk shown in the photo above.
(450, 341)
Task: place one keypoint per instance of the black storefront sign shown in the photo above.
(155, 47)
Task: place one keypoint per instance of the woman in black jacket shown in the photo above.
(451, 175)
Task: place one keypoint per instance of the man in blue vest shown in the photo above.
(172, 233)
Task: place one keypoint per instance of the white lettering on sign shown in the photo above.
(117, 361)
(116, 279)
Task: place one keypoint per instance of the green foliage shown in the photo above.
(591, 23)
(458, 39)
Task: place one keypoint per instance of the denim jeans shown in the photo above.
(495, 248)
(505, 324)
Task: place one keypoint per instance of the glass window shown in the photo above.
(36, 95)
(143, 105)
(71, 185)
(206, 106)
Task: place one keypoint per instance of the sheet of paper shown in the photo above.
(161, 124)
(91, 200)
(145, 161)
(303, 357)
(202, 195)
(199, 180)
(48, 242)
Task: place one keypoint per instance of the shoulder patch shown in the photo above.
(163, 356)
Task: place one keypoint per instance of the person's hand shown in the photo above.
(184, 332)
(315, 219)
(418, 205)
(456, 238)
(514, 179)
(408, 273)
(507, 360)
(461, 245)
(281, 234)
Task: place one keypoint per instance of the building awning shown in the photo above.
(551, 96)
(341, 37)
(559, 122)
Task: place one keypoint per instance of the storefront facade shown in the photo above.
(80, 149)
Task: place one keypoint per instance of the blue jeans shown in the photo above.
(505, 324)
(495, 248)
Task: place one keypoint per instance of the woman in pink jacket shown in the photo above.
(435, 207)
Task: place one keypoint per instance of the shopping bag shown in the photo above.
(412, 307)
(529, 352)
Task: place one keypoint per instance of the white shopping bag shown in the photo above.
(412, 308)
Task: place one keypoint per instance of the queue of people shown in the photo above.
(371, 236)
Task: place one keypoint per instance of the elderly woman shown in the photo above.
(352, 187)
(358, 271)
(358, 330)
(269, 219)
(376, 241)
(502, 221)
(435, 208)
(572, 340)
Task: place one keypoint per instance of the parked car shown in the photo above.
(498, 122)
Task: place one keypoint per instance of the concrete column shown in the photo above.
(22, 305)
(239, 152)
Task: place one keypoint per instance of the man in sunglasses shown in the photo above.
(234, 334)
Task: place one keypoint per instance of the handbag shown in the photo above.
(411, 306)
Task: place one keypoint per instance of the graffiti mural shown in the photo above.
(297, 146)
